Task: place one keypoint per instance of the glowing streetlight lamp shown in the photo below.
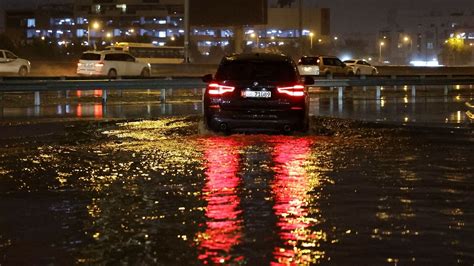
(95, 26)
(407, 39)
(253, 35)
(380, 50)
(311, 35)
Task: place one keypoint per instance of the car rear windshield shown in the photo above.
(349, 61)
(257, 70)
(307, 61)
(90, 56)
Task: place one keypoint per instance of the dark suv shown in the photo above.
(257, 92)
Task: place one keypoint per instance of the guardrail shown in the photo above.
(36, 85)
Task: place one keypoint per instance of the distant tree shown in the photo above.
(283, 3)
(356, 47)
(455, 52)
(141, 39)
(196, 56)
(178, 41)
(7, 43)
(215, 54)
(230, 48)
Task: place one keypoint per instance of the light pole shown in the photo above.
(95, 25)
(407, 40)
(311, 35)
(380, 51)
(253, 35)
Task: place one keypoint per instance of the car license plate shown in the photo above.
(257, 94)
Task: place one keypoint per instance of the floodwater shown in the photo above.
(431, 106)
(165, 191)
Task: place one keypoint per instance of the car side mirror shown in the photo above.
(207, 78)
(307, 80)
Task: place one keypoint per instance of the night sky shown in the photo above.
(348, 16)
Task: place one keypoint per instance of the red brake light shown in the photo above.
(217, 89)
(296, 90)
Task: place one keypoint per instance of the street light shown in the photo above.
(253, 35)
(95, 26)
(380, 51)
(407, 39)
(311, 35)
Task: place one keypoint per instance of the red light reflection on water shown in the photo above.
(98, 110)
(79, 110)
(290, 188)
(224, 223)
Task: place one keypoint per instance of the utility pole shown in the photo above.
(186, 31)
(300, 26)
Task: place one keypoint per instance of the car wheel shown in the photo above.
(112, 74)
(145, 73)
(23, 71)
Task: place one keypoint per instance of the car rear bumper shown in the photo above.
(83, 72)
(285, 120)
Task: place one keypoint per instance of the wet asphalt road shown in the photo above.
(167, 192)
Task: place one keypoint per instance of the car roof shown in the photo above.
(316, 56)
(105, 52)
(258, 57)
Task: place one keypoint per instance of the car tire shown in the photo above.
(145, 73)
(23, 71)
(112, 74)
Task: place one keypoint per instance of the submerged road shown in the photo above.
(166, 191)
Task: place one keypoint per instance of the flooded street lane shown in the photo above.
(167, 192)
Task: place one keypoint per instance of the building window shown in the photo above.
(429, 45)
(162, 34)
(96, 9)
(80, 33)
(122, 8)
(31, 23)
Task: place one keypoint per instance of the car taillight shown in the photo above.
(296, 90)
(217, 89)
(79, 64)
(100, 64)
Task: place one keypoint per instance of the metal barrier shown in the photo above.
(168, 84)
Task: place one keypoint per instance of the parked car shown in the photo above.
(361, 67)
(12, 64)
(308, 65)
(111, 64)
(256, 92)
(327, 65)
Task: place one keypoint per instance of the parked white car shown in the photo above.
(308, 66)
(111, 64)
(12, 64)
(361, 67)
